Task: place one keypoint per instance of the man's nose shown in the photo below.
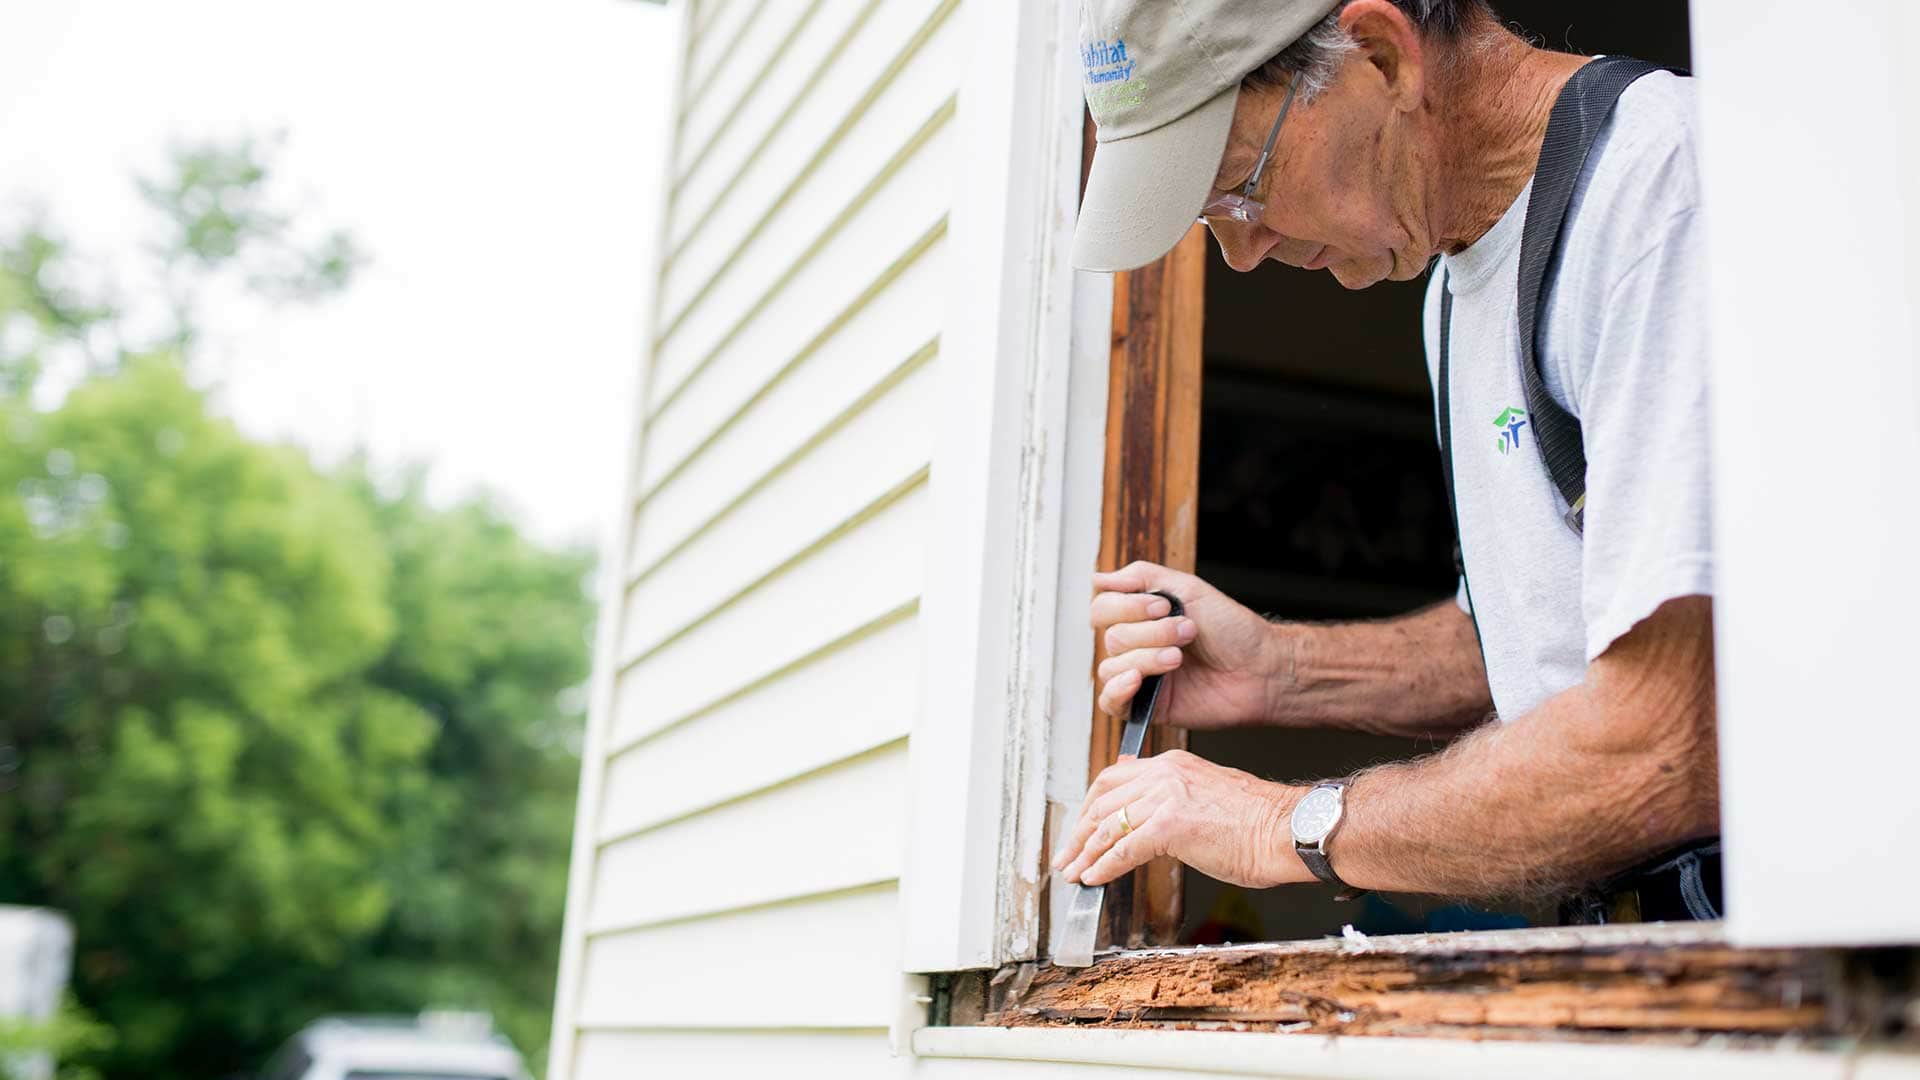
(1241, 245)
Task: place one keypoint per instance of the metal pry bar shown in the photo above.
(1081, 927)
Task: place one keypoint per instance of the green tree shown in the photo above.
(282, 743)
(493, 634)
(70, 1033)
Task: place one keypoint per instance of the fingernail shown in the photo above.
(1187, 630)
(1169, 656)
(1158, 607)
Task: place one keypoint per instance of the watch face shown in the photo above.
(1315, 815)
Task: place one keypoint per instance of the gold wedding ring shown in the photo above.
(1125, 825)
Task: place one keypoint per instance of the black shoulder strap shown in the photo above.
(1578, 115)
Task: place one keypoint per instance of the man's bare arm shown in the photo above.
(1419, 674)
(1601, 775)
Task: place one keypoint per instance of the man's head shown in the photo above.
(1346, 186)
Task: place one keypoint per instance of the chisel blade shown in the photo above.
(1073, 945)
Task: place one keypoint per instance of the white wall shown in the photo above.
(1812, 196)
(743, 804)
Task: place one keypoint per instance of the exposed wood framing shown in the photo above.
(1152, 490)
(1655, 982)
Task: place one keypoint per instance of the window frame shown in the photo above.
(1026, 693)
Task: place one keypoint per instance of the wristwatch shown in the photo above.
(1315, 817)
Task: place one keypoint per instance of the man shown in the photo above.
(1394, 132)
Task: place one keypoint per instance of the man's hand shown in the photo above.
(1225, 823)
(1226, 654)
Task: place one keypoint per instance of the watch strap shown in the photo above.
(1322, 867)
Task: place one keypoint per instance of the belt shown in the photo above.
(1674, 886)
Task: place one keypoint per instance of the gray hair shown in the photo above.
(1315, 59)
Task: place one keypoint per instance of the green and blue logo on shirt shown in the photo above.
(1510, 422)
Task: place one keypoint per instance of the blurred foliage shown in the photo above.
(38, 310)
(221, 219)
(281, 742)
(71, 1033)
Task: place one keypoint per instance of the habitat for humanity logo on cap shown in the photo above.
(1110, 82)
(1161, 78)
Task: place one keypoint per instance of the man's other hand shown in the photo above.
(1226, 654)
(1225, 823)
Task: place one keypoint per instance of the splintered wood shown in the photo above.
(1520, 984)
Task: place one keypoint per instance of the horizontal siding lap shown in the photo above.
(713, 499)
(741, 584)
(788, 303)
(872, 570)
(775, 395)
(833, 474)
(824, 962)
(911, 184)
(777, 93)
(796, 724)
(738, 258)
(837, 828)
(701, 19)
(713, 46)
(730, 258)
(736, 81)
(824, 103)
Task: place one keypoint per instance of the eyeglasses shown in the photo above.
(1241, 205)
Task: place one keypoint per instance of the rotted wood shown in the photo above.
(1644, 983)
(1151, 498)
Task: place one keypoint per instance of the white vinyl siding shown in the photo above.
(744, 798)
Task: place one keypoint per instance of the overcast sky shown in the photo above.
(497, 158)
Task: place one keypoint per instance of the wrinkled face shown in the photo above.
(1344, 190)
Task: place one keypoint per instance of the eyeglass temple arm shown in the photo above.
(1267, 150)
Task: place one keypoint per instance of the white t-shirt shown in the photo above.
(1625, 350)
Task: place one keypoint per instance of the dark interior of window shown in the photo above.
(1321, 494)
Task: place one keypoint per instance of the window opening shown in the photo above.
(1320, 497)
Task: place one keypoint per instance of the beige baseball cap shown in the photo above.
(1161, 80)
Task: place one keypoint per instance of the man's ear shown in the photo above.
(1391, 45)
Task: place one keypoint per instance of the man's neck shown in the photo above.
(1493, 114)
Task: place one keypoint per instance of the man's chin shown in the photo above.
(1359, 274)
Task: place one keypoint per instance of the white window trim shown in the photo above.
(1011, 539)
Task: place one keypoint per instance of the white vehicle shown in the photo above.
(432, 1046)
(36, 953)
